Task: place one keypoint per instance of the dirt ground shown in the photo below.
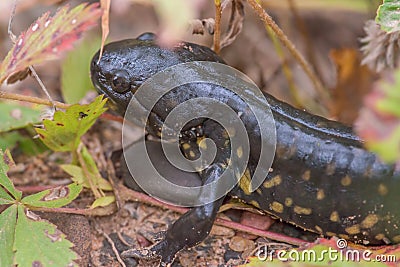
(98, 238)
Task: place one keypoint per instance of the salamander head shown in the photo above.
(126, 64)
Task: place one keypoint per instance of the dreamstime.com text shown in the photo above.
(329, 254)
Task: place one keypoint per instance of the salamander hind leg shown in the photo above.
(189, 230)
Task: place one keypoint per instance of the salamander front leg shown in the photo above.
(189, 230)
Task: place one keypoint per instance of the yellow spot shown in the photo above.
(369, 221)
(320, 194)
(226, 143)
(259, 191)
(346, 181)
(382, 190)
(185, 146)
(231, 131)
(276, 206)
(353, 230)
(239, 152)
(330, 234)
(288, 201)
(192, 154)
(306, 175)
(244, 182)
(330, 168)
(334, 216)
(379, 236)
(319, 229)
(343, 236)
(228, 162)
(274, 181)
(202, 144)
(198, 168)
(396, 239)
(255, 204)
(301, 210)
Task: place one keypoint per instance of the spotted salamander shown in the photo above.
(322, 178)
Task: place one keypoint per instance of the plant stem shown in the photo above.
(266, 18)
(285, 68)
(32, 99)
(217, 28)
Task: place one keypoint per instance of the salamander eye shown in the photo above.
(120, 82)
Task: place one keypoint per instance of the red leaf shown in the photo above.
(379, 121)
(46, 38)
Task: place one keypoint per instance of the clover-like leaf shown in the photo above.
(388, 15)
(55, 197)
(5, 161)
(39, 243)
(48, 37)
(15, 116)
(63, 133)
(8, 219)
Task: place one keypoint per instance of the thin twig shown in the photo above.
(259, 232)
(128, 194)
(309, 45)
(266, 18)
(285, 68)
(217, 27)
(115, 250)
(42, 86)
(114, 183)
(32, 99)
(12, 15)
(99, 211)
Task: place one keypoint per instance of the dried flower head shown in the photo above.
(381, 49)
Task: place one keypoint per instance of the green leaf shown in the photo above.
(75, 80)
(48, 36)
(63, 133)
(391, 90)
(5, 198)
(79, 177)
(91, 166)
(39, 243)
(8, 220)
(53, 198)
(5, 161)
(14, 116)
(24, 142)
(103, 201)
(388, 15)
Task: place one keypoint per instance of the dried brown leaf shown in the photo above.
(105, 19)
(235, 23)
(201, 26)
(381, 50)
(353, 83)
